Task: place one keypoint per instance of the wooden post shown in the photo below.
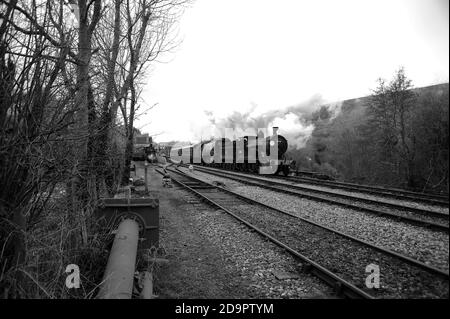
(147, 286)
(145, 177)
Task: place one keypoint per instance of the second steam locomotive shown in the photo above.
(256, 154)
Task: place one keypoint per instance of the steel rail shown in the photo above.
(341, 285)
(441, 200)
(265, 184)
(373, 190)
(324, 192)
(435, 195)
(407, 259)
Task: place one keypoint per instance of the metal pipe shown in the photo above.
(119, 274)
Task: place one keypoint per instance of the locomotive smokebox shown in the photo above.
(275, 130)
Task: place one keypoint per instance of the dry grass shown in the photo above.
(50, 249)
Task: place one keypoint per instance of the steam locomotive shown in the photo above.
(245, 154)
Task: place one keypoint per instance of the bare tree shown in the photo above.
(145, 34)
(34, 114)
(390, 111)
(63, 76)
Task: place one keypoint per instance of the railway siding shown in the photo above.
(432, 219)
(426, 245)
(341, 254)
(213, 256)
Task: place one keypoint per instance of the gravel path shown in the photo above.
(211, 255)
(428, 246)
(258, 261)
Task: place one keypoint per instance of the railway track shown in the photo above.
(337, 258)
(400, 194)
(416, 216)
(414, 193)
(374, 190)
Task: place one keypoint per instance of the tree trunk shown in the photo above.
(130, 137)
(80, 192)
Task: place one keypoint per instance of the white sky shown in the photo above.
(279, 53)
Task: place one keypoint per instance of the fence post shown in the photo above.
(145, 177)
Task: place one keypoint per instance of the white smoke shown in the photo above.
(294, 122)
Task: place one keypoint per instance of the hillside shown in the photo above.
(349, 144)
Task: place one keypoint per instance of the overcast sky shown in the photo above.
(236, 54)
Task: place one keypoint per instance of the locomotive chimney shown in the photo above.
(275, 130)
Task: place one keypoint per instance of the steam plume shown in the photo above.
(294, 121)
